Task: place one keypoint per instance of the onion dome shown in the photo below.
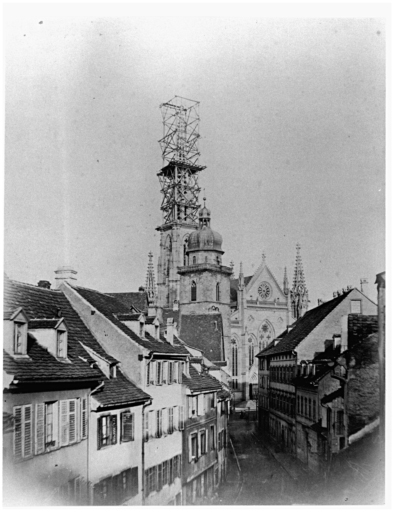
(204, 239)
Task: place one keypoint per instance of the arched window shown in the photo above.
(251, 354)
(266, 334)
(185, 256)
(234, 358)
(194, 291)
(217, 292)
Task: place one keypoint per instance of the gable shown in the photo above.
(265, 278)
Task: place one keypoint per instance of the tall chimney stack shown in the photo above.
(65, 274)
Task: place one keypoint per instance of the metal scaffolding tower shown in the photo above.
(179, 175)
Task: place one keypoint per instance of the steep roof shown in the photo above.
(200, 381)
(43, 303)
(119, 392)
(204, 332)
(138, 300)
(110, 307)
(304, 326)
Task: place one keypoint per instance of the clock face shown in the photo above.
(264, 291)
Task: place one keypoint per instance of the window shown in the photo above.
(152, 372)
(170, 466)
(164, 372)
(355, 307)
(142, 329)
(310, 408)
(181, 418)
(164, 414)
(71, 493)
(193, 448)
(47, 415)
(23, 431)
(159, 477)
(234, 358)
(170, 372)
(185, 257)
(150, 480)
(212, 437)
(203, 442)
(194, 261)
(19, 336)
(84, 418)
(340, 425)
(106, 430)
(61, 344)
(147, 374)
(159, 423)
(175, 372)
(193, 404)
(165, 473)
(68, 422)
(159, 373)
(170, 420)
(127, 427)
(251, 354)
(194, 291)
(217, 292)
(314, 410)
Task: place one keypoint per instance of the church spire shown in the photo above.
(241, 282)
(150, 281)
(299, 292)
(285, 283)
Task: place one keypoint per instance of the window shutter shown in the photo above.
(190, 403)
(40, 428)
(147, 374)
(199, 451)
(152, 423)
(18, 432)
(99, 432)
(84, 418)
(175, 420)
(152, 372)
(160, 423)
(72, 408)
(180, 368)
(170, 372)
(181, 418)
(127, 430)
(175, 372)
(63, 422)
(170, 420)
(146, 482)
(28, 434)
(114, 429)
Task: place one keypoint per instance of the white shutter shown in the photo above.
(199, 445)
(18, 432)
(152, 372)
(40, 428)
(84, 418)
(190, 403)
(200, 406)
(175, 372)
(63, 422)
(152, 423)
(72, 420)
(165, 372)
(28, 431)
(146, 425)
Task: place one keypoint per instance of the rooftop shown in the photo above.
(204, 332)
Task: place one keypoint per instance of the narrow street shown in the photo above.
(262, 480)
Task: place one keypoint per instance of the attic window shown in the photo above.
(19, 338)
(61, 344)
(113, 372)
(355, 307)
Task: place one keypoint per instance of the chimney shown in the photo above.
(44, 284)
(175, 306)
(65, 274)
(344, 333)
(170, 330)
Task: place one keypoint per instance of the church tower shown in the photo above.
(204, 281)
(299, 292)
(180, 190)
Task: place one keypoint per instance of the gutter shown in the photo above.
(88, 451)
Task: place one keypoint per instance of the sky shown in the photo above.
(292, 134)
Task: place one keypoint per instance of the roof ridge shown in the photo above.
(55, 290)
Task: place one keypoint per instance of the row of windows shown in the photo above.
(306, 407)
(116, 489)
(282, 373)
(107, 429)
(201, 404)
(282, 402)
(201, 443)
(163, 422)
(193, 291)
(163, 474)
(57, 424)
(164, 372)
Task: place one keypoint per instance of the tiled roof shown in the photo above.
(180, 346)
(332, 396)
(132, 317)
(311, 380)
(365, 353)
(204, 332)
(170, 313)
(43, 323)
(200, 381)
(119, 392)
(304, 326)
(361, 326)
(41, 303)
(138, 300)
(110, 306)
(223, 394)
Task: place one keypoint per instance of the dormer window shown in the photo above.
(142, 333)
(18, 338)
(61, 343)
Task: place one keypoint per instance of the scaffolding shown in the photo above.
(179, 174)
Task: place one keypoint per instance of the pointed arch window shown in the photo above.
(218, 292)
(251, 354)
(234, 358)
(266, 334)
(194, 291)
(185, 256)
